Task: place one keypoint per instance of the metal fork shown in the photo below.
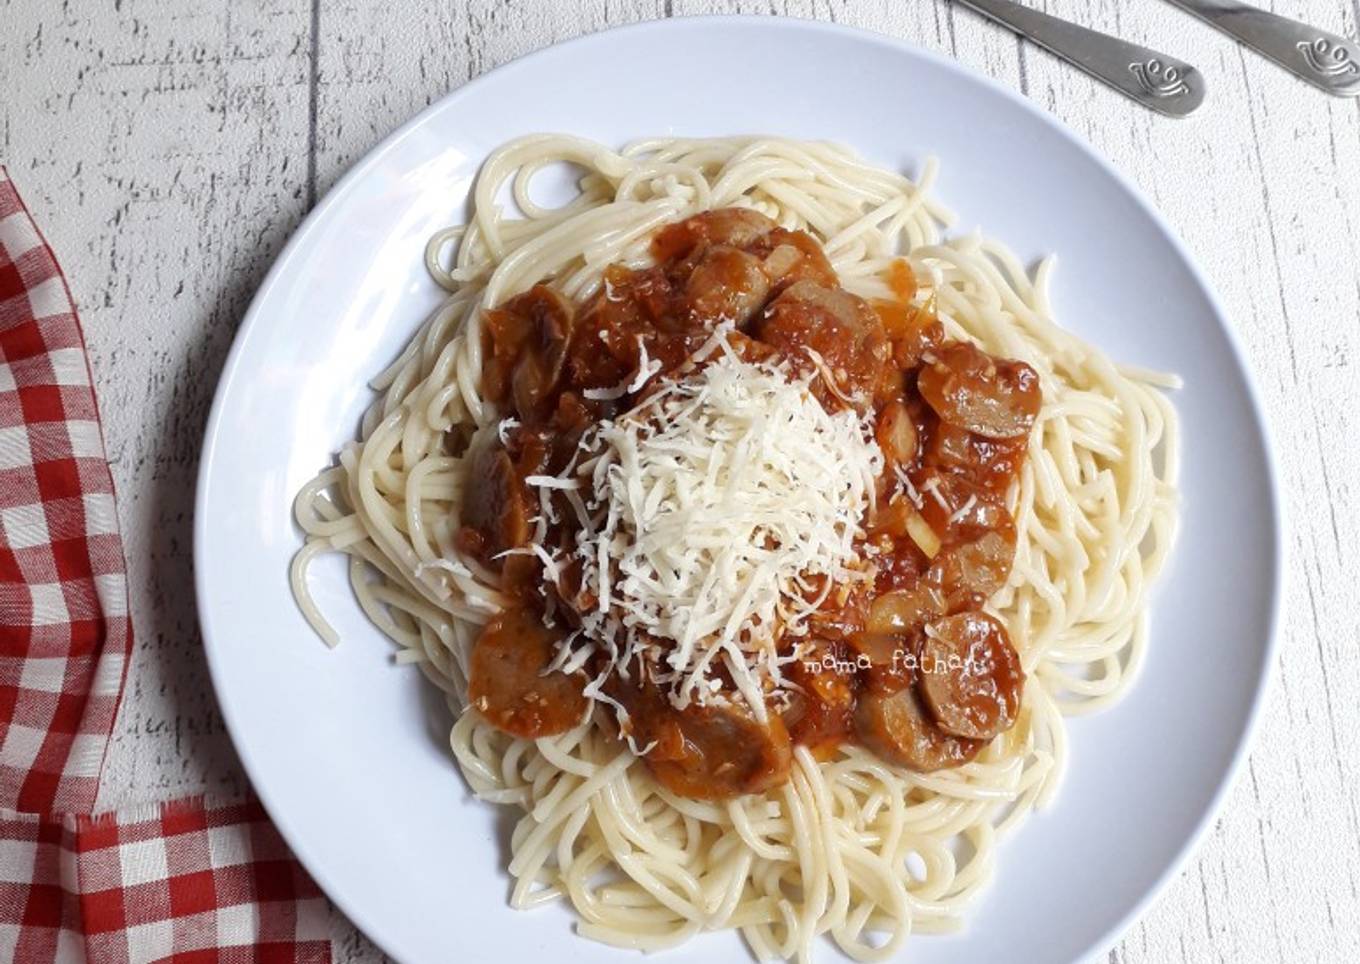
(1164, 84)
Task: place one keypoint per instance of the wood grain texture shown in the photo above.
(168, 148)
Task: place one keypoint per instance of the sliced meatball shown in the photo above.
(727, 285)
(893, 724)
(970, 676)
(841, 328)
(507, 684)
(970, 389)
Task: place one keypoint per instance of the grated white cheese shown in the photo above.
(720, 514)
(448, 565)
(551, 482)
(932, 486)
(828, 377)
(963, 510)
(551, 572)
(647, 367)
(908, 488)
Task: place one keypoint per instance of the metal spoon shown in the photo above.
(1164, 84)
(1323, 59)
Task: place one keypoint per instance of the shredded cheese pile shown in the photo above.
(721, 512)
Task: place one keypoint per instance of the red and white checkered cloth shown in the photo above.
(191, 881)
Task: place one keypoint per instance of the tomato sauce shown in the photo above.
(953, 423)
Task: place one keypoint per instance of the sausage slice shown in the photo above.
(507, 684)
(844, 331)
(496, 506)
(727, 285)
(970, 389)
(970, 676)
(895, 726)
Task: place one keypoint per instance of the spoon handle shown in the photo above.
(1164, 84)
(1324, 59)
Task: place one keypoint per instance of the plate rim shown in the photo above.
(1265, 673)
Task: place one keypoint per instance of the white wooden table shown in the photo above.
(169, 148)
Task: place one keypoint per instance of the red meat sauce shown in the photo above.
(907, 665)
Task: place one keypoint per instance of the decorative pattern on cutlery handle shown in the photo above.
(1327, 59)
(1158, 79)
(1324, 59)
(1164, 84)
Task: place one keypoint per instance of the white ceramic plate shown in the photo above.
(349, 752)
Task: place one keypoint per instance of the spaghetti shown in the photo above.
(851, 846)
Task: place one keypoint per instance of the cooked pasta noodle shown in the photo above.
(853, 848)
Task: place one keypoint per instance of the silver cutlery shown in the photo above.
(1164, 84)
(1323, 59)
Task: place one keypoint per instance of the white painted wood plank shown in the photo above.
(168, 147)
(161, 147)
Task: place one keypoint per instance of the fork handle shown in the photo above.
(1164, 84)
(1324, 59)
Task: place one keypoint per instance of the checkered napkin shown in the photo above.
(189, 882)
